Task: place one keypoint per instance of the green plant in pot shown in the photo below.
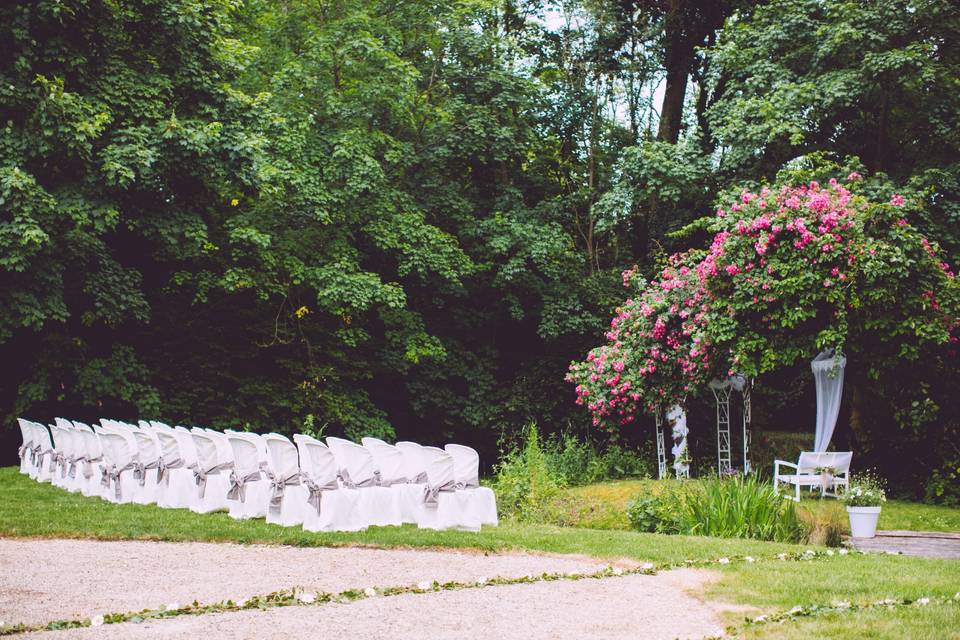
(863, 499)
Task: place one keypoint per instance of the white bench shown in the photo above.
(805, 474)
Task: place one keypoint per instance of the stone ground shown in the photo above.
(46, 580)
(924, 544)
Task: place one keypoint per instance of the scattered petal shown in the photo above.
(370, 592)
(96, 621)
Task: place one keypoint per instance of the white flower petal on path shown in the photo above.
(724, 560)
(829, 552)
(843, 552)
(617, 571)
(795, 610)
(922, 602)
(173, 606)
(647, 566)
(424, 586)
(370, 592)
(748, 558)
(482, 580)
(96, 621)
(307, 597)
(760, 619)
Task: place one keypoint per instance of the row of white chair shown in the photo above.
(334, 486)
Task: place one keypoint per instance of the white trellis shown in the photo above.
(661, 447)
(722, 389)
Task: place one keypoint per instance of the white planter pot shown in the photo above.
(863, 521)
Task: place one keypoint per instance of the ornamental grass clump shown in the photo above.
(866, 490)
(730, 507)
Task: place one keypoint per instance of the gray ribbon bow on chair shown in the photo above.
(64, 462)
(164, 466)
(72, 472)
(115, 477)
(421, 478)
(24, 448)
(316, 491)
(88, 466)
(140, 470)
(278, 485)
(389, 482)
(431, 494)
(348, 482)
(472, 484)
(105, 475)
(238, 484)
(200, 475)
(55, 459)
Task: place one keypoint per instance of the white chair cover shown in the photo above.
(288, 495)
(414, 461)
(330, 507)
(249, 493)
(176, 488)
(148, 451)
(119, 484)
(378, 505)
(392, 465)
(88, 473)
(212, 474)
(466, 470)
(443, 507)
(26, 446)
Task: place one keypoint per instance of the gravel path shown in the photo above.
(67, 579)
(78, 579)
(634, 607)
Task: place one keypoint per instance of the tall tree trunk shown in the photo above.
(678, 58)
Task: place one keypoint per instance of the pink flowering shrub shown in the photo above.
(791, 270)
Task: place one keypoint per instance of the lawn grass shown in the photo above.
(28, 508)
(604, 505)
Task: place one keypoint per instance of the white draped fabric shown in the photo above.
(828, 377)
(681, 457)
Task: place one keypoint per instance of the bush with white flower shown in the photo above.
(865, 490)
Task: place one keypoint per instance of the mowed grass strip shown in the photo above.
(32, 509)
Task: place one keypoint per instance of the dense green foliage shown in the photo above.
(408, 218)
(734, 507)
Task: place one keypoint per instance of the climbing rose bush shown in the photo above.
(791, 270)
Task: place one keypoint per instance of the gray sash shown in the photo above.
(26, 446)
(163, 467)
(72, 473)
(238, 484)
(36, 454)
(431, 494)
(88, 466)
(389, 482)
(55, 459)
(316, 491)
(140, 470)
(62, 462)
(420, 479)
(472, 484)
(277, 486)
(350, 484)
(105, 475)
(200, 475)
(115, 477)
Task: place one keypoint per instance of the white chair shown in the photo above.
(176, 488)
(148, 452)
(414, 461)
(442, 506)
(806, 472)
(26, 447)
(378, 506)
(330, 507)
(211, 478)
(288, 496)
(88, 474)
(45, 453)
(249, 494)
(466, 472)
(61, 452)
(391, 463)
(120, 458)
(76, 457)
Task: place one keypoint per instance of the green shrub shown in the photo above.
(527, 487)
(579, 462)
(731, 507)
(943, 487)
(644, 514)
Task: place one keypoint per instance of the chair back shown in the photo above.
(354, 459)
(466, 464)
(246, 453)
(188, 450)
(91, 444)
(42, 436)
(414, 462)
(169, 446)
(316, 459)
(26, 432)
(224, 449)
(839, 461)
(147, 446)
(388, 459)
(160, 426)
(284, 458)
(439, 466)
(121, 453)
(206, 449)
(367, 441)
